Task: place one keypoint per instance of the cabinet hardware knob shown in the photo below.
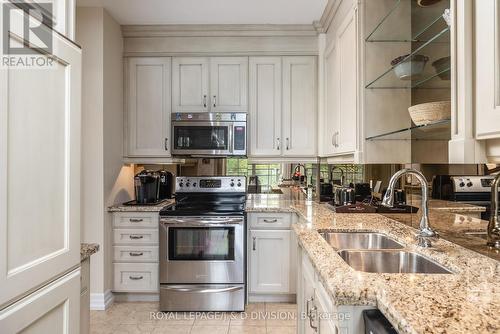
(135, 237)
(278, 140)
(254, 243)
(136, 220)
(205, 101)
(215, 101)
(287, 143)
(270, 220)
(166, 144)
(136, 278)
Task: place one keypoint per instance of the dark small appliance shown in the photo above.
(167, 184)
(147, 187)
(326, 192)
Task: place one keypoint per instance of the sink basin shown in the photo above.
(392, 262)
(360, 240)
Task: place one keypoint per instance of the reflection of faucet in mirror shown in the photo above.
(297, 175)
(425, 231)
(494, 225)
(342, 175)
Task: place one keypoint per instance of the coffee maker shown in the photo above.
(147, 187)
(166, 185)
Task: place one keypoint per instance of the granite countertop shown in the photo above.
(86, 250)
(467, 301)
(448, 206)
(142, 208)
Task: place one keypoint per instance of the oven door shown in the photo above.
(202, 138)
(202, 250)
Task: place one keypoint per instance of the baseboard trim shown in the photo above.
(271, 298)
(101, 301)
(136, 297)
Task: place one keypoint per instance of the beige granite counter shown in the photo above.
(142, 208)
(86, 250)
(467, 301)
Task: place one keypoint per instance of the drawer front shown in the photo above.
(136, 219)
(135, 253)
(135, 236)
(136, 277)
(281, 221)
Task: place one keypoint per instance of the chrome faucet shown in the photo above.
(425, 232)
(342, 175)
(494, 225)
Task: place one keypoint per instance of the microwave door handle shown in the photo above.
(230, 145)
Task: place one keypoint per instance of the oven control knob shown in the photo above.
(194, 184)
(462, 184)
(187, 184)
(181, 184)
(232, 184)
(239, 184)
(469, 184)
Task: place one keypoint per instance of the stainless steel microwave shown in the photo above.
(209, 134)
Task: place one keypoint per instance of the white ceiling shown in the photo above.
(211, 11)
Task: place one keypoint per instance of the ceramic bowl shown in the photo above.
(410, 68)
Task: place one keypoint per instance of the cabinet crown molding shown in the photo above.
(218, 30)
(326, 19)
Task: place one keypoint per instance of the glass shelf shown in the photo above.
(428, 79)
(426, 23)
(440, 130)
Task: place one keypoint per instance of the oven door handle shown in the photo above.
(203, 290)
(202, 222)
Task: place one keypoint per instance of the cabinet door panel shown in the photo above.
(332, 117)
(229, 83)
(39, 151)
(53, 309)
(269, 274)
(299, 106)
(348, 84)
(265, 106)
(148, 107)
(190, 84)
(487, 13)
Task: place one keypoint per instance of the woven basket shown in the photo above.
(425, 113)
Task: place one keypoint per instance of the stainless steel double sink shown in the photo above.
(377, 253)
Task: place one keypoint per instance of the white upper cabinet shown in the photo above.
(332, 117)
(342, 89)
(348, 83)
(487, 28)
(229, 84)
(40, 135)
(299, 106)
(216, 84)
(265, 106)
(148, 107)
(190, 81)
(283, 106)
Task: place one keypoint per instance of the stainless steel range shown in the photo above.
(202, 246)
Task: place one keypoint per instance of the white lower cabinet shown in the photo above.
(271, 259)
(317, 312)
(54, 309)
(270, 273)
(135, 252)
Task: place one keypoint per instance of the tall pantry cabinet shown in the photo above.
(40, 151)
